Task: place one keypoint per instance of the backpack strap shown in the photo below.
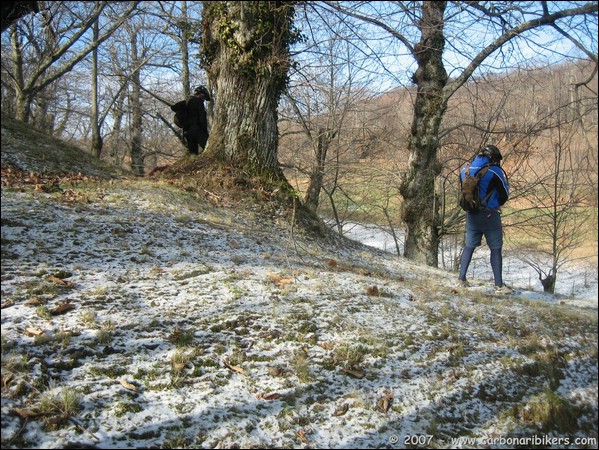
(481, 173)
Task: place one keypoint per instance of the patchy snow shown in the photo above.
(576, 283)
(189, 325)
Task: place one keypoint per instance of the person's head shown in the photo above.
(202, 91)
(492, 153)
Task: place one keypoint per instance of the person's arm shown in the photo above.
(499, 184)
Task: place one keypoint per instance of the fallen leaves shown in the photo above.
(302, 436)
(31, 332)
(384, 403)
(14, 177)
(276, 371)
(7, 303)
(341, 410)
(128, 386)
(327, 345)
(270, 396)
(356, 373)
(373, 291)
(278, 280)
(25, 413)
(71, 196)
(236, 369)
(62, 308)
(6, 379)
(60, 281)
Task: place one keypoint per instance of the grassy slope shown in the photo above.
(27, 148)
(536, 345)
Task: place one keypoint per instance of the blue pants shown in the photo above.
(487, 224)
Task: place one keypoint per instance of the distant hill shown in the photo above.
(32, 150)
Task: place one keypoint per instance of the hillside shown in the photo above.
(31, 150)
(156, 313)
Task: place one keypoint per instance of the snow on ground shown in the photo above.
(185, 325)
(576, 283)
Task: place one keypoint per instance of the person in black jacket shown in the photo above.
(196, 129)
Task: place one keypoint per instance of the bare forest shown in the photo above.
(355, 133)
(155, 298)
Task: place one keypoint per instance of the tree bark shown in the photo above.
(246, 56)
(325, 136)
(137, 164)
(96, 144)
(185, 50)
(420, 206)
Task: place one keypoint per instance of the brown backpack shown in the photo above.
(470, 200)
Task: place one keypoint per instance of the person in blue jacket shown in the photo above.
(487, 221)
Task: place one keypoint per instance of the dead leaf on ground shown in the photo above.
(60, 282)
(62, 308)
(373, 291)
(128, 385)
(279, 280)
(356, 373)
(300, 434)
(6, 379)
(7, 303)
(328, 345)
(234, 368)
(276, 371)
(341, 410)
(25, 413)
(271, 396)
(34, 331)
(384, 403)
(34, 301)
(178, 367)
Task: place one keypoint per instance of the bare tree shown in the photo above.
(433, 23)
(146, 57)
(335, 122)
(558, 206)
(561, 210)
(137, 163)
(95, 123)
(318, 106)
(54, 45)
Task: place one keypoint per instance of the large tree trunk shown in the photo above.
(246, 55)
(420, 208)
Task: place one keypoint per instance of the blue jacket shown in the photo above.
(494, 179)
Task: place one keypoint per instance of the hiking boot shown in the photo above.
(462, 283)
(504, 290)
